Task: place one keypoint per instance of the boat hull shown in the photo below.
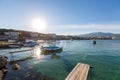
(45, 51)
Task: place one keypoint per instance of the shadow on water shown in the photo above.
(90, 74)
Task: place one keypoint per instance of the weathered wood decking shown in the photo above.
(80, 72)
(21, 51)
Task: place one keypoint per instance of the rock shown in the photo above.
(1, 75)
(4, 71)
(3, 61)
(15, 67)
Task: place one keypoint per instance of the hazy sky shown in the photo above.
(62, 16)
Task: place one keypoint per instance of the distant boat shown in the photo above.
(30, 44)
(94, 41)
(51, 49)
(14, 46)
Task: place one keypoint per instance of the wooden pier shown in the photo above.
(80, 72)
(20, 51)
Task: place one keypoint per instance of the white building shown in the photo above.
(12, 35)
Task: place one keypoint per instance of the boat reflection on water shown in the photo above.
(55, 56)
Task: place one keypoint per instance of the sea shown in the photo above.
(104, 57)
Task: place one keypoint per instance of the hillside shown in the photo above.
(100, 34)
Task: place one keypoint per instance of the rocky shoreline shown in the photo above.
(3, 63)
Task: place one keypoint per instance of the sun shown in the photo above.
(39, 24)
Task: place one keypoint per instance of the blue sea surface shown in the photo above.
(104, 57)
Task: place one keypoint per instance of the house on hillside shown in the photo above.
(3, 38)
(14, 35)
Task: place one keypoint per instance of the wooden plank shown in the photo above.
(80, 72)
(21, 51)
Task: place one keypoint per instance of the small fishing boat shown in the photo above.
(51, 49)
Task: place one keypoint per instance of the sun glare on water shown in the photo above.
(39, 24)
(37, 53)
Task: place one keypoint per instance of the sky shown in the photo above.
(61, 16)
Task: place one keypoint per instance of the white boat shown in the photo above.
(14, 46)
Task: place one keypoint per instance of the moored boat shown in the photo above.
(30, 44)
(14, 46)
(51, 49)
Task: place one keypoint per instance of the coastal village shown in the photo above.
(11, 35)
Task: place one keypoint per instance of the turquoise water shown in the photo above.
(104, 57)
